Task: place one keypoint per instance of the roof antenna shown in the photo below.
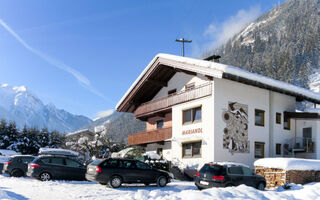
(182, 40)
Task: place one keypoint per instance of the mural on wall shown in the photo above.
(235, 134)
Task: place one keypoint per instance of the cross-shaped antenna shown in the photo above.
(183, 41)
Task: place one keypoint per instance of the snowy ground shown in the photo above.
(26, 188)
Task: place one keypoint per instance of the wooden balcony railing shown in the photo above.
(171, 100)
(150, 136)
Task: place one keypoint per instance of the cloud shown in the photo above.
(84, 81)
(104, 113)
(220, 33)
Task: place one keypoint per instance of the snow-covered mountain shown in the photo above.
(282, 43)
(20, 105)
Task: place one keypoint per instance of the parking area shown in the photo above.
(27, 188)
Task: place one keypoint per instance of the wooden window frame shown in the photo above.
(189, 86)
(288, 123)
(191, 142)
(263, 150)
(193, 114)
(263, 117)
(162, 123)
(278, 148)
(278, 118)
(172, 92)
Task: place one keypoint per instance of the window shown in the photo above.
(160, 124)
(57, 161)
(172, 92)
(191, 115)
(189, 86)
(191, 150)
(159, 151)
(259, 149)
(141, 165)
(127, 164)
(286, 123)
(259, 117)
(278, 149)
(27, 159)
(278, 118)
(247, 171)
(72, 163)
(110, 164)
(235, 170)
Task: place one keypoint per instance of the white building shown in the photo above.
(199, 111)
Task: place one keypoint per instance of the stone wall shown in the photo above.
(278, 177)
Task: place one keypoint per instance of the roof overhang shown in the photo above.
(163, 67)
(301, 115)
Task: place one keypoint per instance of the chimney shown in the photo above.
(213, 58)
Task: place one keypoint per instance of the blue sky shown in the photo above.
(82, 56)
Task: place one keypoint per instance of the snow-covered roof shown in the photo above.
(229, 164)
(217, 70)
(289, 163)
(5, 152)
(79, 132)
(53, 151)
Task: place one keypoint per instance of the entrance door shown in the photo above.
(307, 138)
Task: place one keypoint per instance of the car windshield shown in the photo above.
(212, 169)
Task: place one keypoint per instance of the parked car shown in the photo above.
(17, 166)
(227, 174)
(56, 167)
(115, 171)
(5, 157)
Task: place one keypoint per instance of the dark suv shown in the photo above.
(56, 167)
(115, 171)
(17, 165)
(227, 174)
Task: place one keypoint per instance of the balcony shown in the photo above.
(167, 102)
(150, 136)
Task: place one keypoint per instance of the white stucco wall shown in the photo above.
(226, 91)
(207, 135)
(279, 103)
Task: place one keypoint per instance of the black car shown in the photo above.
(226, 174)
(56, 167)
(17, 165)
(113, 172)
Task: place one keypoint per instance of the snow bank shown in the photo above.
(152, 155)
(121, 153)
(289, 163)
(26, 188)
(52, 151)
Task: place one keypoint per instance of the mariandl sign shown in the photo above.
(192, 131)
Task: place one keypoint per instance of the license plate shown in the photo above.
(90, 170)
(204, 182)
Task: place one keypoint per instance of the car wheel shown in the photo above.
(16, 173)
(199, 188)
(45, 176)
(115, 182)
(261, 186)
(161, 181)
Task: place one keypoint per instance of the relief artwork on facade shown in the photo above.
(235, 134)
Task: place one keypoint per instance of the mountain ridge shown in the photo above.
(22, 106)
